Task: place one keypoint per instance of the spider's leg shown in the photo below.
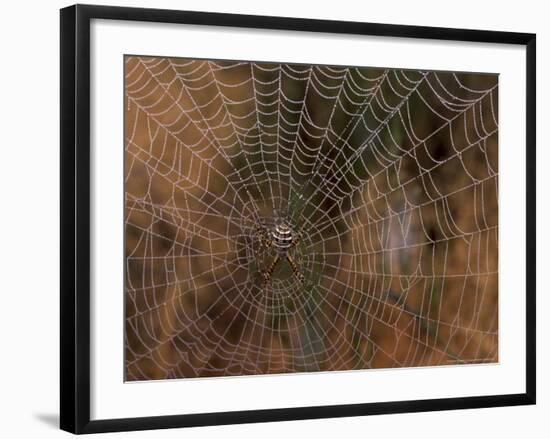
(298, 238)
(264, 240)
(269, 272)
(295, 268)
(295, 242)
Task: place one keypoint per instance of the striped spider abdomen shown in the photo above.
(281, 236)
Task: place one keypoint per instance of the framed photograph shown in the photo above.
(268, 218)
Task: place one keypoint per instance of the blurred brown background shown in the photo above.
(390, 175)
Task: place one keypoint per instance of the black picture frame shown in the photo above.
(75, 217)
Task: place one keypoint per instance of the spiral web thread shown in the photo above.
(388, 176)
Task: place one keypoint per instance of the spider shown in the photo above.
(283, 240)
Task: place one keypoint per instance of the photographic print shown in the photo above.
(297, 218)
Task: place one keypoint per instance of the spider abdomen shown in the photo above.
(282, 237)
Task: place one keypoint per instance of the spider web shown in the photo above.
(390, 175)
